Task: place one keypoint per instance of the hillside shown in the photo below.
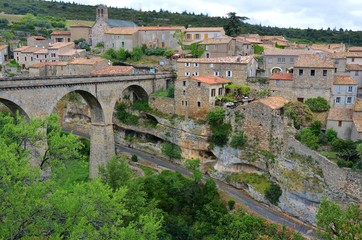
(73, 11)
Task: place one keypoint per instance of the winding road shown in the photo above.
(240, 196)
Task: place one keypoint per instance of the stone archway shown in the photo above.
(275, 70)
(290, 70)
(134, 93)
(13, 107)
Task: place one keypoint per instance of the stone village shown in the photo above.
(289, 72)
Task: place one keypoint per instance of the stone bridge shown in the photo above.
(37, 98)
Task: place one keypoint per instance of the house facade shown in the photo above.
(4, 55)
(195, 96)
(60, 36)
(344, 91)
(117, 38)
(226, 46)
(80, 31)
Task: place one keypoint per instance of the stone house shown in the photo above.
(159, 36)
(195, 96)
(226, 46)
(84, 66)
(57, 49)
(281, 84)
(25, 56)
(344, 91)
(235, 68)
(273, 40)
(45, 69)
(198, 34)
(117, 38)
(60, 36)
(261, 131)
(4, 55)
(80, 31)
(340, 61)
(103, 24)
(340, 120)
(313, 76)
(38, 41)
(281, 60)
(355, 71)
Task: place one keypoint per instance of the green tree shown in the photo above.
(258, 49)
(238, 140)
(197, 50)
(335, 223)
(308, 138)
(273, 193)
(234, 23)
(194, 166)
(318, 104)
(215, 116)
(171, 150)
(299, 113)
(179, 36)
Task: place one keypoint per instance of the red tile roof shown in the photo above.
(113, 70)
(218, 40)
(39, 37)
(344, 80)
(21, 48)
(211, 80)
(122, 31)
(60, 33)
(42, 64)
(340, 114)
(353, 67)
(354, 54)
(286, 52)
(2, 47)
(314, 61)
(87, 61)
(355, 49)
(273, 102)
(58, 45)
(282, 76)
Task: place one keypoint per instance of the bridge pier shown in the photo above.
(102, 147)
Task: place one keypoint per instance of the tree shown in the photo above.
(318, 104)
(171, 150)
(273, 193)
(335, 223)
(179, 36)
(299, 113)
(233, 25)
(197, 50)
(215, 116)
(308, 138)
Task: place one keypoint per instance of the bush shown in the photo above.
(315, 127)
(258, 49)
(134, 158)
(342, 163)
(171, 91)
(273, 193)
(299, 112)
(231, 204)
(100, 45)
(331, 135)
(141, 105)
(171, 150)
(124, 116)
(216, 116)
(220, 134)
(238, 140)
(318, 104)
(307, 137)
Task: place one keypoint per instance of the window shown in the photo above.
(31, 58)
(196, 64)
(291, 60)
(207, 55)
(37, 56)
(17, 58)
(220, 91)
(324, 73)
(185, 103)
(339, 123)
(229, 73)
(196, 74)
(216, 73)
(188, 36)
(25, 58)
(356, 73)
(270, 60)
(182, 103)
(187, 74)
(349, 89)
(281, 60)
(338, 100)
(199, 104)
(213, 92)
(277, 83)
(207, 48)
(211, 65)
(312, 72)
(187, 64)
(349, 100)
(163, 45)
(184, 92)
(353, 59)
(199, 84)
(184, 83)
(216, 47)
(163, 36)
(338, 88)
(197, 36)
(122, 44)
(300, 72)
(335, 70)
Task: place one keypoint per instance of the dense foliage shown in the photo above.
(299, 113)
(220, 130)
(317, 104)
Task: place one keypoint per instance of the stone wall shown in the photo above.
(165, 105)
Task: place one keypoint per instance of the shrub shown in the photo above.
(258, 49)
(273, 193)
(231, 204)
(315, 127)
(307, 137)
(171, 150)
(220, 134)
(216, 116)
(134, 158)
(331, 135)
(141, 105)
(342, 163)
(318, 104)
(124, 116)
(238, 140)
(100, 45)
(299, 112)
(171, 91)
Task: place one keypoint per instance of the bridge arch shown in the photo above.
(135, 92)
(13, 107)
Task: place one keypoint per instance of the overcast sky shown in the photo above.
(346, 14)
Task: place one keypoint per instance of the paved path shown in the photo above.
(239, 195)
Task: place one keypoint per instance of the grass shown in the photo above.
(147, 170)
(11, 17)
(161, 93)
(259, 182)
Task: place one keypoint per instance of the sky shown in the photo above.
(317, 14)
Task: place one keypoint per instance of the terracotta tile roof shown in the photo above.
(231, 60)
(87, 61)
(331, 48)
(357, 106)
(273, 102)
(217, 40)
(355, 49)
(80, 25)
(60, 33)
(340, 114)
(38, 37)
(42, 51)
(244, 40)
(20, 49)
(270, 38)
(211, 80)
(286, 52)
(42, 64)
(161, 28)
(353, 67)
(58, 45)
(358, 124)
(122, 31)
(282, 76)
(344, 80)
(205, 29)
(113, 70)
(314, 61)
(339, 55)
(354, 54)
(31, 49)
(72, 52)
(2, 47)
